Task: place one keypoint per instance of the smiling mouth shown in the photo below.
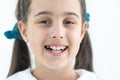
(56, 49)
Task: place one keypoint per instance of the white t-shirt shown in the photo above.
(26, 75)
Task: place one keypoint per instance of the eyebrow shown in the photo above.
(50, 13)
(43, 12)
(71, 13)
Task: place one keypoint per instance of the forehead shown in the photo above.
(56, 6)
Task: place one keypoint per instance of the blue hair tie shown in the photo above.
(14, 34)
(87, 17)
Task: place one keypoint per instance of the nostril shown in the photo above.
(54, 36)
(58, 37)
(61, 37)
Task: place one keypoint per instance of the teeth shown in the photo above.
(56, 49)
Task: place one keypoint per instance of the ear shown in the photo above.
(23, 30)
(84, 29)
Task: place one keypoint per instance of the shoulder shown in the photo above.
(22, 75)
(86, 75)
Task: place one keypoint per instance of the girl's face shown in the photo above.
(54, 31)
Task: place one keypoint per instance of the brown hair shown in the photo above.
(21, 58)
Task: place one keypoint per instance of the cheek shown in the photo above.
(74, 40)
(75, 36)
(35, 35)
(36, 40)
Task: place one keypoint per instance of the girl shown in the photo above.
(56, 33)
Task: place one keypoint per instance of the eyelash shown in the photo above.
(45, 21)
(66, 22)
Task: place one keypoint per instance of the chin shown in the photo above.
(56, 66)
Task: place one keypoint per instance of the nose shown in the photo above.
(57, 32)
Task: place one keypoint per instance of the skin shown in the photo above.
(56, 23)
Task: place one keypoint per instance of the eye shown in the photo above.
(45, 21)
(68, 22)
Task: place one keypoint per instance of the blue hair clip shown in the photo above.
(87, 17)
(14, 34)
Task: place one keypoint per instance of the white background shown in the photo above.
(104, 31)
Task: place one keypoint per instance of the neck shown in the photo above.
(66, 73)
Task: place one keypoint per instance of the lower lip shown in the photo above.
(55, 54)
